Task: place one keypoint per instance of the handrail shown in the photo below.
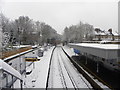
(10, 70)
(7, 68)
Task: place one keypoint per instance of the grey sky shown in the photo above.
(61, 14)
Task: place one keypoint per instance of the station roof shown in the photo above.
(107, 51)
(100, 46)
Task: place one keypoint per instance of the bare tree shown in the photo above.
(78, 33)
(24, 28)
(26, 31)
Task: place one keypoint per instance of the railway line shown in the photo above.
(104, 75)
(63, 74)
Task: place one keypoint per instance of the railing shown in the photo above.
(8, 76)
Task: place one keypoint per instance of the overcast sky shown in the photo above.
(62, 13)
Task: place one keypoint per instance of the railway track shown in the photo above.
(73, 79)
(104, 75)
(63, 74)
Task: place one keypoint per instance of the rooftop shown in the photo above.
(96, 45)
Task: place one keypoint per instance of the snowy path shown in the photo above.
(63, 74)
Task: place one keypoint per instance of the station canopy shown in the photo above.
(107, 51)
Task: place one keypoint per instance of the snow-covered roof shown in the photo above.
(105, 33)
(101, 46)
(107, 51)
(4, 66)
(100, 33)
(114, 33)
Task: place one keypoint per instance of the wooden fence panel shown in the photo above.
(13, 52)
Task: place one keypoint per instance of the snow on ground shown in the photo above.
(81, 82)
(38, 76)
(63, 73)
(69, 50)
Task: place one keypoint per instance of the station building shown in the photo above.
(107, 54)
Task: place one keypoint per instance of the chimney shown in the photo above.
(110, 30)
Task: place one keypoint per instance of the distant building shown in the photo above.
(109, 35)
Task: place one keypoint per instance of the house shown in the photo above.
(101, 35)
